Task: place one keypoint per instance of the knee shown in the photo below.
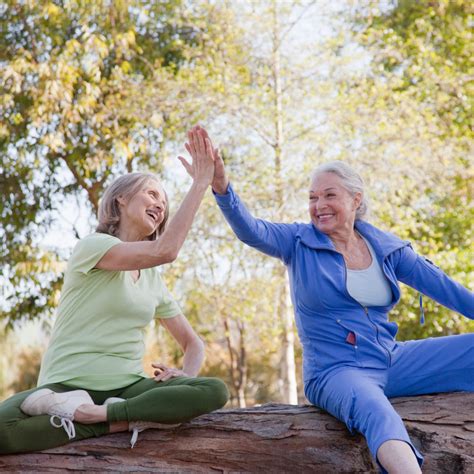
(372, 408)
(7, 445)
(374, 416)
(217, 393)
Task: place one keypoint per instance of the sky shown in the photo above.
(315, 21)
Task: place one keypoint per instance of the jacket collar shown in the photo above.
(384, 243)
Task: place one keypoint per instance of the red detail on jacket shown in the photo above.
(351, 338)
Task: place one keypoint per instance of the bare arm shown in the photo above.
(191, 344)
(146, 254)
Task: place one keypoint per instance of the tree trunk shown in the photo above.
(288, 377)
(287, 365)
(271, 438)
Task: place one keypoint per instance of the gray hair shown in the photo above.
(351, 180)
(109, 210)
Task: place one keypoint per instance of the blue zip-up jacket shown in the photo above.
(334, 329)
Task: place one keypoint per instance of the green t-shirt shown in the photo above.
(98, 338)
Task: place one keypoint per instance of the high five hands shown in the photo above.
(201, 168)
(204, 154)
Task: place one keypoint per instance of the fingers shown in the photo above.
(165, 376)
(164, 373)
(209, 149)
(186, 165)
(191, 145)
(202, 131)
(199, 140)
(159, 365)
(201, 144)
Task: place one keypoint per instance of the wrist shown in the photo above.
(200, 185)
(221, 188)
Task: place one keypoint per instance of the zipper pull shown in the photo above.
(422, 311)
(366, 310)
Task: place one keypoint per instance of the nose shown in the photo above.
(160, 205)
(320, 204)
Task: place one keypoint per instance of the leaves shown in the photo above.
(90, 90)
(71, 79)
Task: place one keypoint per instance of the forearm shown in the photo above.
(172, 239)
(272, 239)
(430, 280)
(193, 357)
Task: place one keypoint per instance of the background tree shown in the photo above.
(73, 78)
(407, 123)
(274, 116)
(90, 90)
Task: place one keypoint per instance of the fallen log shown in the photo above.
(272, 438)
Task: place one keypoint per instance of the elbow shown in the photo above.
(201, 345)
(170, 257)
(196, 345)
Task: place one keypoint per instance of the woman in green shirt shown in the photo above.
(91, 381)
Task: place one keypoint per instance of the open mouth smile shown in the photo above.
(324, 217)
(155, 215)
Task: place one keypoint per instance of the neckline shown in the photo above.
(372, 256)
(130, 272)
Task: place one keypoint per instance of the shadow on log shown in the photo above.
(271, 438)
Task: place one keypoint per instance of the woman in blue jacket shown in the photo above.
(344, 276)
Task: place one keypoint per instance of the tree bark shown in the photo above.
(271, 438)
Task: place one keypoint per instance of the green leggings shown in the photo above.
(174, 401)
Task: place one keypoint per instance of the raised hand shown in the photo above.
(201, 169)
(220, 181)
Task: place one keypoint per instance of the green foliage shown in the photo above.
(420, 102)
(86, 94)
(426, 47)
(446, 236)
(90, 90)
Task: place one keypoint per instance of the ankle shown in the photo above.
(118, 426)
(88, 414)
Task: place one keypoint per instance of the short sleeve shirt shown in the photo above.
(98, 338)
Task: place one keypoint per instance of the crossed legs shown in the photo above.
(174, 401)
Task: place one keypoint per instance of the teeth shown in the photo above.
(152, 215)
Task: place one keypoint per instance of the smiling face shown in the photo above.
(332, 207)
(142, 213)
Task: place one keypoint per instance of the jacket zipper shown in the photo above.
(366, 310)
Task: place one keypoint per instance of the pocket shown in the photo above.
(350, 335)
(351, 339)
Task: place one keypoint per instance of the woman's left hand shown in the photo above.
(163, 373)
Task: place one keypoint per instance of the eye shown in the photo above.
(330, 195)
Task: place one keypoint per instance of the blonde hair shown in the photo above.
(109, 210)
(351, 180)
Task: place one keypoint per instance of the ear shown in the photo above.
(121, 200)
(357, 200)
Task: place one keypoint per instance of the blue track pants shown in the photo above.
(358, 396)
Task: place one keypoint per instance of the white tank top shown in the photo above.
(369, 286)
